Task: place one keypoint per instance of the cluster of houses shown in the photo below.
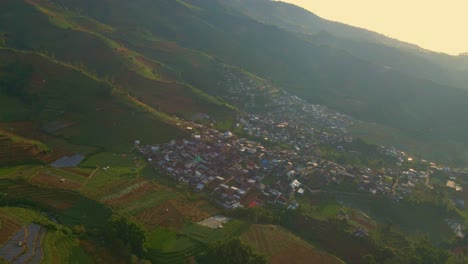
(220, 163)
(275, 158)
(231, 167)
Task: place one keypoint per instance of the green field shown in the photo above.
(280, 245)
(320, 206)
(66, 175)
(23, 215)
(114, 160)
(8, 170)
(167, 246)
(60, 248)
(149, 200)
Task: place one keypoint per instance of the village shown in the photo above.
(272, 157)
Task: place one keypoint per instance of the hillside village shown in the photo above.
(273, 157)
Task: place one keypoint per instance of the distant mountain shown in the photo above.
(365, 44)
(165, 54)
(297, 19)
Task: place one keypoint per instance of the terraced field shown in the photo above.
(283, 247)
(57, 199)
(164, 215)
(25, 246)
(59, 248)
(8, 227)
(15, 150)
(71, 208)
(169, 247)
(329, 236)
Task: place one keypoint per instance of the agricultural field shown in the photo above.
(320, 206)
(39, 244)
(57, 199)
(168, 246)
(5, 171)
(60, 248)
(66, 178)
(69, 207)
(22, 216)
(124, 161)
(17, 150)
(98, 118)
(8, 227)
(25, 246)
(283, 247)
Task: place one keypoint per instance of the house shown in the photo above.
(227, 134)
(360, 232)
(342, 215)
(199, 187)
(451, 184)
(295, 184)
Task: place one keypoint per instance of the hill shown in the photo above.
(96, 114)
(168, 55)
(362, 43)
(214, 34)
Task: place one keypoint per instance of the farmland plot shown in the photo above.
(7, 229)
(164, 214)
(25, 246)
(284, 247)
(53, 181)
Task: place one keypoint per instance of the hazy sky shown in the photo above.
(439, 25)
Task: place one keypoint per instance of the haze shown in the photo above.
(434, 25)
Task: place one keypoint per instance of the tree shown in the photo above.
(369, 259)
(233, 252)
(127, 237)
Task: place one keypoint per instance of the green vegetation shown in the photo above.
(233, 251)
(26, 216)
(358, 153)
(12, 109)
(92, 77)
(61, 248)
(127, 237)
(405, 216)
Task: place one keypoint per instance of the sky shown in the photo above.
(438, 25)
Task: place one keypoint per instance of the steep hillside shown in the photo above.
(166, 54)
(316, 72)
(96, 114)
(78, 40)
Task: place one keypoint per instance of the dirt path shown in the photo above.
(90, 176)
